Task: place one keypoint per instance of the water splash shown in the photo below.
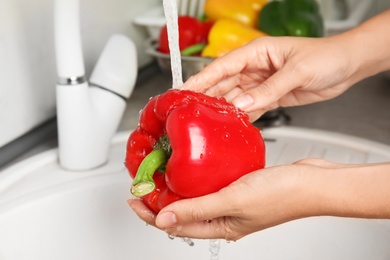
(171, 17)
(214, 247)
(188, 241)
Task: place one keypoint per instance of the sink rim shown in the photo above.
(11, 177)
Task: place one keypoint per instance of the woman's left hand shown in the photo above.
(275, 195)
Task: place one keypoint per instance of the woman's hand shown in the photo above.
(278, 71)
(271, 72)
(275, 195)
(254, 202)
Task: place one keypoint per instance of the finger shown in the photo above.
(215, 75)
(267, 94)
(229, 96)
(220, 69)
(223, 87)
(193, 210)
(142, 211)
(204, 229)
(253, 116)
(213, 229)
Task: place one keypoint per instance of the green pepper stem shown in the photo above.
(193, 49)
(143, 182)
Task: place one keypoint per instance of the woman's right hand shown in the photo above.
(273, 72)
(278, 71)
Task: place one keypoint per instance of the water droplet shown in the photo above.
(225, 136)
(171, 237)
(188, 241)
(201, 156)
(197, 112)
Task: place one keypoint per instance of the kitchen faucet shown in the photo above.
(88, 113)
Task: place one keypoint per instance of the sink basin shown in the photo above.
(49, 213)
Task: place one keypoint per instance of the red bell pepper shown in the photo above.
(192, 33)
(187, 145)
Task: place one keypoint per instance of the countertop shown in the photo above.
(363, 111)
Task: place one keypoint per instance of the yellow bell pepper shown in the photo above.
(244, 11)
(227, 35)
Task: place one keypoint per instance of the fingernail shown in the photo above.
(243, 101)
(166, 219)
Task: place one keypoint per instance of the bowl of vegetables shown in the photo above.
(190, 64)
(227, 25)
(201, 41)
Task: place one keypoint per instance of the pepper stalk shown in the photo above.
(143, 182)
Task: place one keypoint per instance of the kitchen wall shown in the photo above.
(27, 64)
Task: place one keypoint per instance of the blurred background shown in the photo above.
(27, 61)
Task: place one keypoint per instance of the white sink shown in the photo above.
(49, 213)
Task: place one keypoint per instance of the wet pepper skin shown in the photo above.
(208, 142)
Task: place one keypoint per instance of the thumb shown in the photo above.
(266, 96)
(193, 210)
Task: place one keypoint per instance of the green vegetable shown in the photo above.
(291, 18)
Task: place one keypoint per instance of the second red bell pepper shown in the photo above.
(192, 32)
(187, 145)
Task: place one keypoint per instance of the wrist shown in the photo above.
(359, 191)
(367, 47)
(307, 188)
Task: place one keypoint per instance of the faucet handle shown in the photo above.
(116, 69)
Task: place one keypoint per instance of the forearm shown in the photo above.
(351, 191)
(368, 46)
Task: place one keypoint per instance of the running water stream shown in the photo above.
(214, 247)
(171, 17)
